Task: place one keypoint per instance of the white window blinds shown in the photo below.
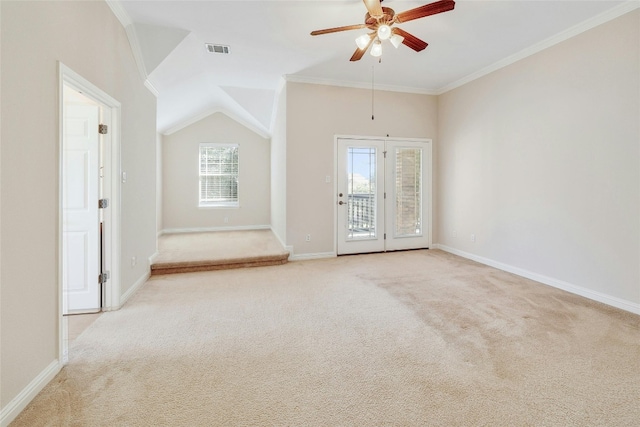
(408, 192)
(218, 175)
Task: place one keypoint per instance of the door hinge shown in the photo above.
(103, 129)
(103, 203)
(385, 236)
(103, 277)
(385, 195)
(385, 154)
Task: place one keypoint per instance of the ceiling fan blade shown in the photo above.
(410, 40)
(374, 8)
(426, 10)
(359, 53)
(337, 29)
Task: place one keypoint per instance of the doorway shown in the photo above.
(383, 194)
(88, 201)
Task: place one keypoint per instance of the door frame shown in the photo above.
(112, 190)
(428, 184)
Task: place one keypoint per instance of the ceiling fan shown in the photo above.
(381, 20)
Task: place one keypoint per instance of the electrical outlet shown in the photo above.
(307, 238)
(473, 238)
(455, 234)
(327, 179)
(134, 261)
(226, 219)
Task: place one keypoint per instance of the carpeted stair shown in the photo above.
(220, 250)
(218, 264)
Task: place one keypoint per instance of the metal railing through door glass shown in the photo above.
(361, 193)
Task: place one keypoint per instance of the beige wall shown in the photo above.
(180, 177)
(540, 160)
(279, 168)
(159, 221)
(315, 114)
(88, 38)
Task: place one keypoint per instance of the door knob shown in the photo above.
(341, 202)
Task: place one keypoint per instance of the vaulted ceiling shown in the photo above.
(270, 40)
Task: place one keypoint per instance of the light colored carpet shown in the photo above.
(219, 250)
(420, 338)
(77, 323)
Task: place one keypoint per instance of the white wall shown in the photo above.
(88, 38)
(315, 114)
(540, 160)
(279, 167)
(159, 221)
(180, 210)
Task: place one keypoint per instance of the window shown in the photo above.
(218, 175)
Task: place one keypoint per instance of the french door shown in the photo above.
(383, 195)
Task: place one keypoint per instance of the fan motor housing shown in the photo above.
(386, 18)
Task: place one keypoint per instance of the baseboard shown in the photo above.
(286, 248)
(17, 405)
(153, 257)
(301, 257)
(133, 289)
(209, 229)
(550, 281)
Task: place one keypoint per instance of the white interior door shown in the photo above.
(80, 213)
(383, 195)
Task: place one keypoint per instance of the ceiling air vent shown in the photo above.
(217, 48)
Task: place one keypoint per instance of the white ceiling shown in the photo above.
(270, 40)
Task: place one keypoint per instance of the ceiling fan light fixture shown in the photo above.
(380, 21)
(384, 32)
(363, 41)
(376, 49)
(396, 40)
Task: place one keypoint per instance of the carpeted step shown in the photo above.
(218, 264)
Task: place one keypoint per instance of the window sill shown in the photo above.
(219, 206)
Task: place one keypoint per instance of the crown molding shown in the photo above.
(356, 85)
(282, 83)
(132, 36)
(118, 10)
(151, 88)
(577, 29)
(188, 122)
(137, 51)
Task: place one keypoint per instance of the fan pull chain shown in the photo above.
(372, 99)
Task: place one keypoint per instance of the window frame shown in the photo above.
(211, 203)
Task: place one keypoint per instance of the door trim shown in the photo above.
(429, 179)
(112, 190)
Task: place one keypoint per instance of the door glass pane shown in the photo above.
(408, 192)
(361, 193)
